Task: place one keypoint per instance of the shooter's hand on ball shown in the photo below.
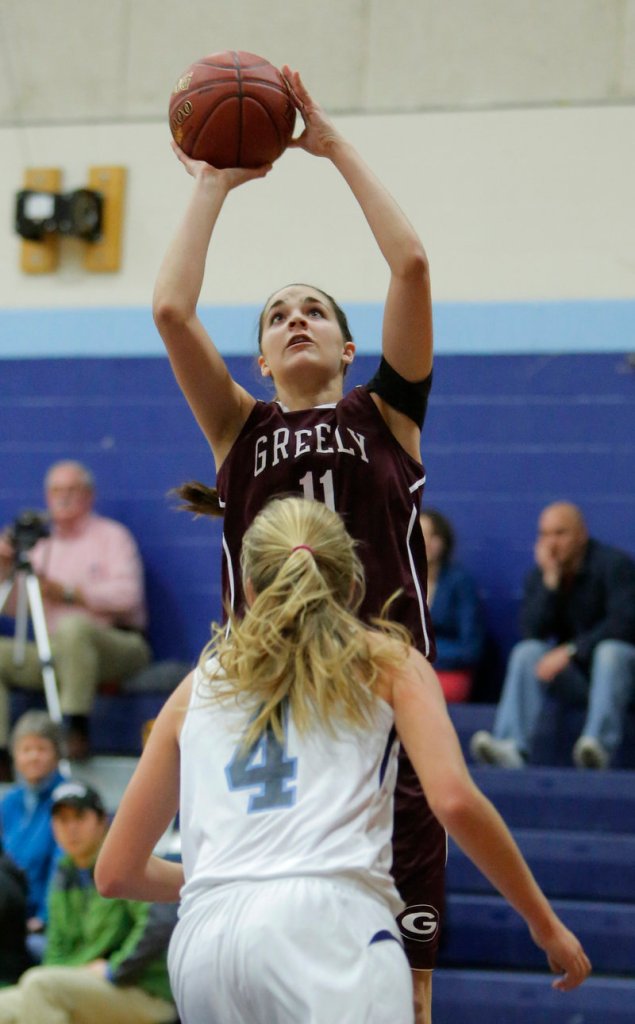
(320, 134)
(230, 176)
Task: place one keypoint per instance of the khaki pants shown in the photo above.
(84, 655)
(74, 995)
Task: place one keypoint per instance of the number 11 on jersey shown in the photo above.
(327, 497)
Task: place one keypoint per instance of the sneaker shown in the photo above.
(589, 753)
(486, 749)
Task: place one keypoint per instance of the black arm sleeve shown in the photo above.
(408, 397)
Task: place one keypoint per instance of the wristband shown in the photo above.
(68, 595)
(572, 650)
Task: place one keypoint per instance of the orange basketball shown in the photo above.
(232, 109)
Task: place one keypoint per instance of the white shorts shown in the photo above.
(290, 951)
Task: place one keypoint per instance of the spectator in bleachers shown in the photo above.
(105, 960)
(91, 577)
(455, 608)
(578, 623)
(14, 956)
(25, 814)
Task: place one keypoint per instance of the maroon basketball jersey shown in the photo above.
(344, 455)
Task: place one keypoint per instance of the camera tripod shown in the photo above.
(29, 602)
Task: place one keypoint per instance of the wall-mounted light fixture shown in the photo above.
(93, 214)
(77, 213)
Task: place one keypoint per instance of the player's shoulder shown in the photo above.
(394, 655)
(260, 412)
(375, 412)
(413, 669)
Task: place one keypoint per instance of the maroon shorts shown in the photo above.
(419, 860)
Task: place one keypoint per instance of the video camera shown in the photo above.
(28, 528)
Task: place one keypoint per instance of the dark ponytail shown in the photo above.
(198, 498)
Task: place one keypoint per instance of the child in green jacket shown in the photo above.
(105, 959)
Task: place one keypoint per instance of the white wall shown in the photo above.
(506, 129)
(71, 61)
(512, 205)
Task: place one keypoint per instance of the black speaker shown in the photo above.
(78, 213)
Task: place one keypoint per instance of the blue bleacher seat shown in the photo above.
(485, 930)
(510, 997)
(577, 831)
(567, 864)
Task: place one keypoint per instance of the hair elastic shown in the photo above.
(303, 547)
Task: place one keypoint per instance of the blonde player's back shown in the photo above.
(288, 908)
(316, 804)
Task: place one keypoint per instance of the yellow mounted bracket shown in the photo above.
(41, 257)
(105, 254)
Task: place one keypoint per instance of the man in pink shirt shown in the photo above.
(91, 579)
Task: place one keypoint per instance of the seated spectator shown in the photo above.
(14, 956)
(25, 814)
(578, 621)
(105, 960)
(91, 578)
(454, 607)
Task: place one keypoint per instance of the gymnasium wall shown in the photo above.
(504, 436)
(528, 220)
(517, 206)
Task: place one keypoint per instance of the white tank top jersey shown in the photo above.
(317, 805)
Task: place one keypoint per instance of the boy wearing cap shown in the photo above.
(105, 959)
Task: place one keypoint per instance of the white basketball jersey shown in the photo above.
(315, 805)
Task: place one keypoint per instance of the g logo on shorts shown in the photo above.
(419, 923)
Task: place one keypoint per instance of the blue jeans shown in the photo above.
(607, 692)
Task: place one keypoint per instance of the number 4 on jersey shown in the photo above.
(267, 767)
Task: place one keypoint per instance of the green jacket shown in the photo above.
(132, 936)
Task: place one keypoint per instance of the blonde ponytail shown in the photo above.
(300, 645)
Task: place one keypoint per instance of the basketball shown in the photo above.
(232, 109)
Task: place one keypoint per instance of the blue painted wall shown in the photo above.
(505, 435)
(460, 328)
